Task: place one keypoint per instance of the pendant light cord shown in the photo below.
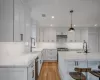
(71, 17)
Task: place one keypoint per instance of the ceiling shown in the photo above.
(86, 12)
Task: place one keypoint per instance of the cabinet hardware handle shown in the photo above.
(75, 63)
(21, 37)
(40, 61)
(31, 66)
(33, 74)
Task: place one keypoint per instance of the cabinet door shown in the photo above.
(71, 36)
(45, 56)
(82, 64)
(46, 35)
(70, 66)
(93, 42)
(16, 24)
(41, 35)
(37, 34)
(19, 26)
(52, 35)
(77, 36)
(84, 35)
(94, 66)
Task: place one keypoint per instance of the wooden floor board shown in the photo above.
(49, 71)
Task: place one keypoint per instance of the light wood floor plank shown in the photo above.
(49, 71)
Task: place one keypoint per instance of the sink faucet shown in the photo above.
(31, 44)
(85, 47)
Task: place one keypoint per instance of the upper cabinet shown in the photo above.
(71, 37)
(48, 34)
(22, 22)
(14, 21)
(84, 35)
(77, 35)
(93, 39)
(6, 20)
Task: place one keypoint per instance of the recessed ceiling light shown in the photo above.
(51, 25)
(53, 17)
(74, 25)
(95, 25)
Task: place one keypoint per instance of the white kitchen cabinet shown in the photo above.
(61, 33)
(71, 36)
(18, 20)
(84, 35)
(33, 32)
(77, 35)
(52, 35)
(44, 55)
(22, 22)
(93, 42)
(12, 20)
(6, 20)
(50, 55)
(18, 73)
(94, 66)
(41, 35)
(46, 35)
(40, 61)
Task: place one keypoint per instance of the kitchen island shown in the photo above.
(68, 60)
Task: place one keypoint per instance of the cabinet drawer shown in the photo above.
(52, 58)
(51, 54)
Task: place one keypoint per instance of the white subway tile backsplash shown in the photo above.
(76, 45)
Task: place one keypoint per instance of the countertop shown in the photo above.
(19, 61)
(73, 55)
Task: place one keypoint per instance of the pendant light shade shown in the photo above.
(71, 29)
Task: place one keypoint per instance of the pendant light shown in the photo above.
(71, 29)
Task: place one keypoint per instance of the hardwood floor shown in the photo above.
(49, 71)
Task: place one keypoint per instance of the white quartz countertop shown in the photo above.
(73, 55)
(19, 61)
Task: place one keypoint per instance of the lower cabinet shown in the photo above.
(18, 73)
(50, 55)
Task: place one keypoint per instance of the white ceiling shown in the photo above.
(86, 12)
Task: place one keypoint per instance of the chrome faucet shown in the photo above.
(31, 44)
(85, 47)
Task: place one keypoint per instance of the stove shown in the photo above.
(62, 49)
